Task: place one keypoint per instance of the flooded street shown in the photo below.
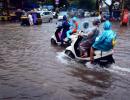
(32, 69)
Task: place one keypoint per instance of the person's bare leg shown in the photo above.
(91, 55)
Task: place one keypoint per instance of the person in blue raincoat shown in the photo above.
(73, 29)
(105, 41)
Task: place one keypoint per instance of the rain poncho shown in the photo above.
(74, 27)
(104, 41)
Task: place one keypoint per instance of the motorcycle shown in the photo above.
(100, 57)
(55, 39)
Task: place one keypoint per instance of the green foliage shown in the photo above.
(73, 2)
(49, 1)
(86, 4)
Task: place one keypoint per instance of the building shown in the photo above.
(127, 3)
(4, 6)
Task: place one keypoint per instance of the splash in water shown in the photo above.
(119, 70)
(112, 68)
(62, 58)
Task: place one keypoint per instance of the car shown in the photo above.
(46, 16)
(86, 14)
(72, 12)
(80, 13)
(61, 14)
(93, 14)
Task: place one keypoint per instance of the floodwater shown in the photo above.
(32, 69)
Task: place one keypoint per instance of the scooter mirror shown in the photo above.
(85, 25)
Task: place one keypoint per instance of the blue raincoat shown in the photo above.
(74, 27)
(104, 41)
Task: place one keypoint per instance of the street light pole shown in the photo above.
(123, 4)
(98, 6)
(7, 6)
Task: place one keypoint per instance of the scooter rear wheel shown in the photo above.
(53, 41)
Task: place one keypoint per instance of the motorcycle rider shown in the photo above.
(105, 41)
(74, 28)
(89, 39)
(65, 26)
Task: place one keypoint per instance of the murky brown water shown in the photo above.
(32, 69)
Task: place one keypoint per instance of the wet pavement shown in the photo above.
(32, 69)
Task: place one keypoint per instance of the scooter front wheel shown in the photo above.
(53, 41)
(70, 54)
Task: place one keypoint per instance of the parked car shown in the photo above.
(61, 14)
(19, 14)
(46, 16)
(24, 21)
(80, 13)
(93, 13)
(72, 12)
(86, 14)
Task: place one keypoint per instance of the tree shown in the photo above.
(87, 4)
(110, 6)
(73, 2)
(63, 2)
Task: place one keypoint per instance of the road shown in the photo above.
(32, 69)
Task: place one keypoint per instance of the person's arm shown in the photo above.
(91, 32)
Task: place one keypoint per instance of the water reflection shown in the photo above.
(93, 83)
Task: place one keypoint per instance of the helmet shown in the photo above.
(64, 17)
(96, 22)
(74, 19)
(107, 25)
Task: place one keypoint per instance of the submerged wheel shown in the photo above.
(70, 54)
(53, 41)
(104, 61)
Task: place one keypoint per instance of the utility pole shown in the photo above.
(98, 6)
(7, 6)
(122, 8)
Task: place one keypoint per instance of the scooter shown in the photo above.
(55, 39)
(100, 57)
